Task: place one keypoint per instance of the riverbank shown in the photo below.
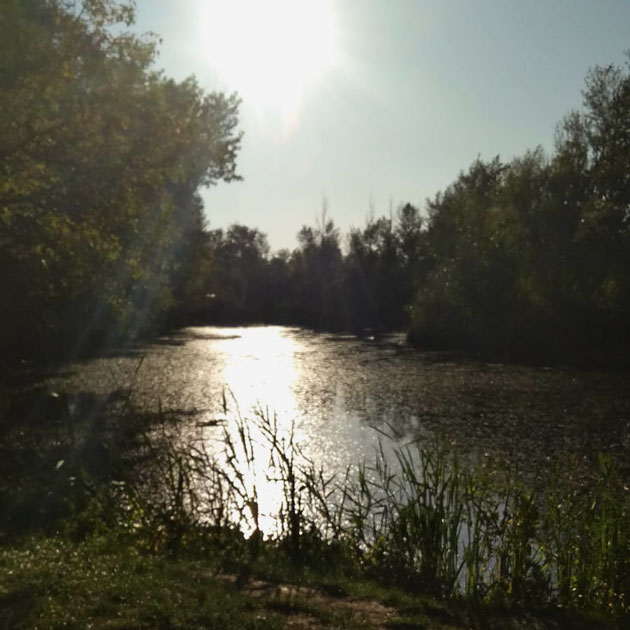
(104, 582)
(111, 518)
(100, 583)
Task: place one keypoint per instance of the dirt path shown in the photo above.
(309, 608)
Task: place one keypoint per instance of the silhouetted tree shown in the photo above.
(100, 160)
(533, 257)
(317, 271)
(239, 258)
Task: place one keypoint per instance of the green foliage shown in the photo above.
(238, 282)
(317, 269)
(100, 160)
(530, 258)
(317, 285)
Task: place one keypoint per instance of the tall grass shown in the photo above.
(415, 515)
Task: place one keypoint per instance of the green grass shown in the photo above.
(52, 584)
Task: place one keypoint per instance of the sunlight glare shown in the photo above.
(271, 52)
(261, 375)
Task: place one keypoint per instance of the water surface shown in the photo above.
(334, 389)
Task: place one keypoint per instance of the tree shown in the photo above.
(410, 232)
(592, 171)
(239, 273)
(458, 300)
(532, 257)
(317, 272)
(100, 161)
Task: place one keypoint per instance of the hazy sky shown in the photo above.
(395, 97)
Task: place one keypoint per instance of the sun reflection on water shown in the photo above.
(260, 374)
(260, 371)
(267, 379)
(334, 388)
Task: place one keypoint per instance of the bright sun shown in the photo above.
(270, 51)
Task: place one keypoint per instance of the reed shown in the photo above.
(413, 515)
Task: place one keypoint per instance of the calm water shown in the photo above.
(334, 389)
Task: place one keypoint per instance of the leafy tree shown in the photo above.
(317, 271)
(532, 257)
(239, 273)
(279, 300)
(379, 277)
(593, 153)
(100, 160)
(410, 235)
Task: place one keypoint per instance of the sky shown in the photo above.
(362, 105)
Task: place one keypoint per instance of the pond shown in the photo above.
(334, 389)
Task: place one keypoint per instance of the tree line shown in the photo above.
(103, 237)
(362, 282)
(531, 257)
(527, 258)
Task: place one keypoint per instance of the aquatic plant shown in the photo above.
(417, 515)
(420, 519)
